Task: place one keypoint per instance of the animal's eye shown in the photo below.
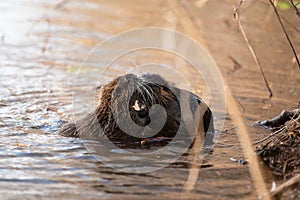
(138, 106)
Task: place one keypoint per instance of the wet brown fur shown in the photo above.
(118, 96)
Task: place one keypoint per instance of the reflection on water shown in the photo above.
(42, 46)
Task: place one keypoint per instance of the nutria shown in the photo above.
(133, 108)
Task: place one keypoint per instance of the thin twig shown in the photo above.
(255, 169)
(269, 136)
(295, 113)
(293, 181)
(236, 14)
(285, 32)
(295, 7)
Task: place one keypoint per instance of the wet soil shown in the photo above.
(44, 43)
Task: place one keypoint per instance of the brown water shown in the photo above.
(43, 45)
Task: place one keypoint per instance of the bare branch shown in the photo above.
(236, 15)
(283, 187)
(296, 8)
(285, 32)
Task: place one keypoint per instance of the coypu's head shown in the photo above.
(137, 106)
(132, 108)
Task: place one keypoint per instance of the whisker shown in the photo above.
(154, 96)
(149, 94)
(141, 92)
